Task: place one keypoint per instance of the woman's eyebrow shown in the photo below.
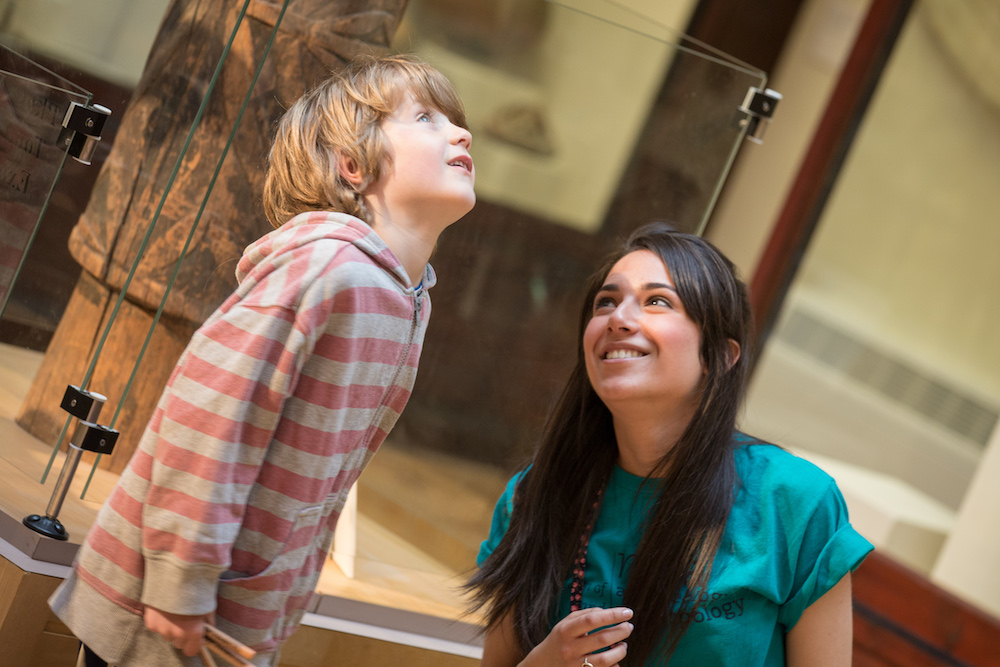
(613, 287)
(652, 286)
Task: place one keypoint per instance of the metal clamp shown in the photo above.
(91, 437)
(88, 436)
(82, 128)
(756, 112)
(81, 403)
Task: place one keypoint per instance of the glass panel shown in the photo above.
(33, 104)
(594, 120)
(80, 47)
(891, 322)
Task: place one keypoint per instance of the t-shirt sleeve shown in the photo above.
(828, 546)
(501, 520)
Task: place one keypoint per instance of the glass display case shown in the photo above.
(595, 119)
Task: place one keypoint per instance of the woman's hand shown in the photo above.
(574, 640)
(186, 633)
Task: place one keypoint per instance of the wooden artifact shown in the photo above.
(315, 37)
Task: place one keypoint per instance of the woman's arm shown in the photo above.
(570, 642)
(499, 646)
(823, 637)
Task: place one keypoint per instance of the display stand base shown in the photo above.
(46, 525)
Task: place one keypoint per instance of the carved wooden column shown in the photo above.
(315, 37)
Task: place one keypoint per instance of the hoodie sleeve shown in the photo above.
(204, 448)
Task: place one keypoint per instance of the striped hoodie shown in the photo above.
(278, 403)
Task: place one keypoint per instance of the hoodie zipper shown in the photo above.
(414, 324)
(418, 302)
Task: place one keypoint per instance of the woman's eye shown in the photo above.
(660, 301)
(604, 302)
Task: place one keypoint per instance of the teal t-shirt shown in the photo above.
(788, 541)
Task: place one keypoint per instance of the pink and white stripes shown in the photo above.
(279, 402)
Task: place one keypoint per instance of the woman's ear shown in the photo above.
(734, 353)
(350, 171)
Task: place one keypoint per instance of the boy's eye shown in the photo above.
(424, 117)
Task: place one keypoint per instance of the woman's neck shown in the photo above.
(644, 439)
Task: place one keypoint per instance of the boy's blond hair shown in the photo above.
(343, 117)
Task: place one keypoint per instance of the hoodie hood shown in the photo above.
(308, 227)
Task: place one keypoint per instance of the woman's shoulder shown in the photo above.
(768, 468)
(501, 518)
(506, 500)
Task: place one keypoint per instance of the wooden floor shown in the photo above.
(421, 516)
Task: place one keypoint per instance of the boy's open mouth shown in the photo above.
(463, 162)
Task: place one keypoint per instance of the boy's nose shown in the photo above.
(462, 137)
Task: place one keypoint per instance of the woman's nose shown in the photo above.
(623, 317)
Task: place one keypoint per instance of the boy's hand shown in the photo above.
(185, 633)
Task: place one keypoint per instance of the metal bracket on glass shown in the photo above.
(756, 112)
(82, 128)
(89, 436)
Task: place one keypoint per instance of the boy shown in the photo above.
(227, 510)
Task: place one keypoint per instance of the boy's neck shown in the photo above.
(412, 245)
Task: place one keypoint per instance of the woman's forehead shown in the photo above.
(640, 266)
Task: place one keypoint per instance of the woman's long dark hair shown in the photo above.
(524, 576)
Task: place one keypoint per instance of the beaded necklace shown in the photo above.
(580, 562)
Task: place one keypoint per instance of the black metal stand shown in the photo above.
(46, 525)
(89, 436)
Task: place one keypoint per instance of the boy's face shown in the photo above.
(430, 175)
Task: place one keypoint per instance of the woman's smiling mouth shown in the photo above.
(623, 354)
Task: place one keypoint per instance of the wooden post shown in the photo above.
(71, 350)
(315, 37)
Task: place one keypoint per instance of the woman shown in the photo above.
(645, 516)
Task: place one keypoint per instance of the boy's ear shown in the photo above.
(350, 171)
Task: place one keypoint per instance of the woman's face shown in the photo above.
(640, 345)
